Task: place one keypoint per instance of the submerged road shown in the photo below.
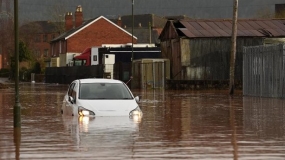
(202, 124)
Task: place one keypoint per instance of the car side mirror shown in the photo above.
(71, 100)
(137, 98)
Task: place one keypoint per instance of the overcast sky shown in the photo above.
(41, 10)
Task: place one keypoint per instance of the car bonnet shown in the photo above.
(109, 107)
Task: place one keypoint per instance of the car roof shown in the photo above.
(99, 80)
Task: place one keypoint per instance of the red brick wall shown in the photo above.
(41, 45)
(98, 33)
(55, 48)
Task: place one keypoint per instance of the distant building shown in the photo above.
(146, 27)
(38, 35)
(6, 32)
(80, 35)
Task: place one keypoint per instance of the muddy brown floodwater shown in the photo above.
(200, 125)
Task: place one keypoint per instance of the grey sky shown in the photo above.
(40, 10)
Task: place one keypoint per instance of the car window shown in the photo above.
(70, 89)
(104, 91)
(74, 91)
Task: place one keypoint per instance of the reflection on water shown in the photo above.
(17, 142)
(264, 117)
(264, 125)
(101, 135)
(175, 125)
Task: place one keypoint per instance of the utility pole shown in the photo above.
(132, 64)
(150, 29)
(17, 106)
(233, 50)
(132, 31)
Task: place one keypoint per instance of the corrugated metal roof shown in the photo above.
(223, 28)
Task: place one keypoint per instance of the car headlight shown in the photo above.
(136, 113)
(85, 112)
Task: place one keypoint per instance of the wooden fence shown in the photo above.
(146, 75)
(263, 71)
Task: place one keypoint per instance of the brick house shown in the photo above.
(6, 41)
(37, 35)
(94, 32)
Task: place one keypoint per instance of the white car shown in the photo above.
(95, 97)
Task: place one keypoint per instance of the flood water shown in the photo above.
(205, 124)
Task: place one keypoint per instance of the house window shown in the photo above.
(45, 52)
(52, 36)
(37, 53)
(45, 38)
(37, 38)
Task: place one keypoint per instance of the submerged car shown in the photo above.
(95, 97)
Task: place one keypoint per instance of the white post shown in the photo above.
(33, 77)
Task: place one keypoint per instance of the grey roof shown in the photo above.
(143, 35)
(40, 27)
(144, 19)
(223, 28)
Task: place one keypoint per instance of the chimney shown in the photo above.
(119, 22)
(78, 16)
(68, 21)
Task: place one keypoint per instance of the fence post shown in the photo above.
(282, 70)
(33, 77)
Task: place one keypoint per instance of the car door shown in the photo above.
(70, 102)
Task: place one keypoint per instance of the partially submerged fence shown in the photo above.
(150, 74)
(146, 74)
(263, 71)
(65, 75)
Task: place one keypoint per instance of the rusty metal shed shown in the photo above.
(199, 49)
(223, 28)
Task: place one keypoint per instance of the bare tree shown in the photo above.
(28, 31)
(57, 16)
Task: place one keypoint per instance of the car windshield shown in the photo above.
(104, 91)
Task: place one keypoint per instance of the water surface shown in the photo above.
(206, 124)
